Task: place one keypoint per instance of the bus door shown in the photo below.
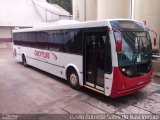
(95, 58)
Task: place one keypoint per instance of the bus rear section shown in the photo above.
(134, 70)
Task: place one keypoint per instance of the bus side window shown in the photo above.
(16, 38)
(55, 40)
(31, 39)
(67, 40)
(59, 41)
(72, 41)
(77, 43)
(42, 40)
(23, 38)
(51, 41)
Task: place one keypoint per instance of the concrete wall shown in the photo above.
(101, 9)
(113, 9)
(79, 10)
(91, 9)
(5, 34)
(84, 9)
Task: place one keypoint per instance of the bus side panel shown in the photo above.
(50, 61)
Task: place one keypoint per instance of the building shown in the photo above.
(143, 10)
(27, 13)
(100, 9)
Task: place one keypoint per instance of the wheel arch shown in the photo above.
(80, 76)
(23, 55)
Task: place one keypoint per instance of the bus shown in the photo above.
(112, 56)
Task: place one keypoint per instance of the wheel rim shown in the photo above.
(73, 79)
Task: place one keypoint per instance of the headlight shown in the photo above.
(123, 70)
(127, 72)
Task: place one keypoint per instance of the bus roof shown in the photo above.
(69, 24)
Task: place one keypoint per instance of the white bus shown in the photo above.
(112, 57)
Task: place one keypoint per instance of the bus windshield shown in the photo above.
(135, 56)
(136, 48)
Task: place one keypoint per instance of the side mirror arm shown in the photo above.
(155, 38)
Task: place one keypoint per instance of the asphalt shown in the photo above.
(27, 90)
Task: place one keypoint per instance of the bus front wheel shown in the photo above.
(73, 79)
(24, 60)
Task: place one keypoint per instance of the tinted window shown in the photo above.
(55, 40)
(30, 39)
(16, 38)
(69, 41)
(68, 36)
(25, 39)
(72, 41)
(42, 39)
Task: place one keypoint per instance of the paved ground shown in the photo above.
(29, 90)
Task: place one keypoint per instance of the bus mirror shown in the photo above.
(155, 38)
(118, 45)
(155, 42)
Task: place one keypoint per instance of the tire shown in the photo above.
(73, 79)
(24, 60)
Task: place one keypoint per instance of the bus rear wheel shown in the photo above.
(24, 60)
(73, 79)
